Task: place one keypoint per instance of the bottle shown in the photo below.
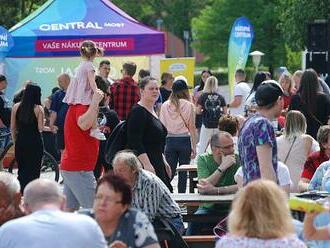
(306, 205)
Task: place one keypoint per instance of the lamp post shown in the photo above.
(256, 58)
(186, 37)
(159, 23)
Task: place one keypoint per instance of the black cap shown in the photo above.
(179, 85)
(268, 92)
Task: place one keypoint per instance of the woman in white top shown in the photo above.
(294, 146)
(178, 116)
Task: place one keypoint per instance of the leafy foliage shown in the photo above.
(176, 14)
(295, 15)
(212, 29)
(12, 11)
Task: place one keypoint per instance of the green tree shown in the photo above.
(176, 14)
(212, 29)
(294, 17)
(12, 11)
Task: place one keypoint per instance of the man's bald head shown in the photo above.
(41, 192)
(222, 143)
(63, 80)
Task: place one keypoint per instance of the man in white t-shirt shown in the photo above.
(241, 91)
(283, 173)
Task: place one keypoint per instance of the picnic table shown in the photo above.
(196, 199)
(192, 200)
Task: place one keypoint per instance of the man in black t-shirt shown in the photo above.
(212, 106)
(58, 111)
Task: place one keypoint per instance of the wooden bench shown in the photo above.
(198, 241)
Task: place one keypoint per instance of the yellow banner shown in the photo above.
(179, 66)
(142, 62)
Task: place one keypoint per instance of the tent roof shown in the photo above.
(61, 21)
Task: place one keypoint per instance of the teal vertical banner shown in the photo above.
(240, 41)
(6, 43)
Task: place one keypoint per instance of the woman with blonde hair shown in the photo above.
(287, 84)
(260, 217)
(178, 116)
(212, 106)
(297, 78)
(294, 146)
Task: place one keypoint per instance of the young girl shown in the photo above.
(287, 84)
(83, 85)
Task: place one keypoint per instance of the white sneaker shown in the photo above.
(97, 134)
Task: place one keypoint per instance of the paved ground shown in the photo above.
(224, 90)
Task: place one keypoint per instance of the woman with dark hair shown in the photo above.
(312, 102)
(26, 126)
(250, 103)
(198, 90)
(178, 116)
(146, 134)
(107, 120)
(122, 225)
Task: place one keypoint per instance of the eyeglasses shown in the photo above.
(228, 146)
(225, 147)
(107, 199)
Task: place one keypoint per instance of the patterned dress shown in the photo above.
(257, 130)
(244, 242)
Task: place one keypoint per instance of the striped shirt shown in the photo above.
(151, 196)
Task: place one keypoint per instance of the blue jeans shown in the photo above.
(178, 150)
(178, 224)
(5, 139)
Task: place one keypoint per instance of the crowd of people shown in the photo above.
(270, 140)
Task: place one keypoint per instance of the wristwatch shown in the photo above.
(218, 169)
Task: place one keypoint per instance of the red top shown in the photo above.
(287, 101)
(312, 163)
(124, 94)
(81, 150)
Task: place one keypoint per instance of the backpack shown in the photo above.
(212, 111)
(116, 142)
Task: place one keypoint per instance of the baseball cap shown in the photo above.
(268, 92)
(181, 77)
(179, 84)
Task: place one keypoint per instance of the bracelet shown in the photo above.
(218, 169)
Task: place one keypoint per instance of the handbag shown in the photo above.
(287, 156)
(183, 119)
